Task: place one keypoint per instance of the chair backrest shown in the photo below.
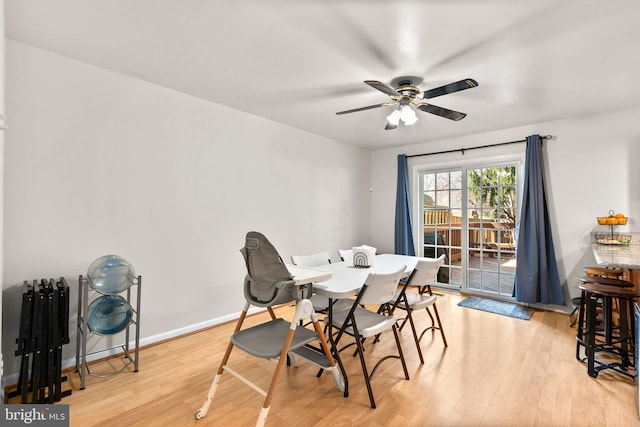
(426, 271)
(381, 287)
(346, 255)
(268, 282)
(321, 258)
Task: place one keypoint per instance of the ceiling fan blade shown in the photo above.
(382, 87)
(443, 112)
(450, 88)
(369, 107)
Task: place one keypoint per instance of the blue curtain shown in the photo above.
(404, 238)
(536, 278)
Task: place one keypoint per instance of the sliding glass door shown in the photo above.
(469, 215)
(442, 196)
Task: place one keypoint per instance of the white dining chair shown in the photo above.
(423, 276)
(320, 303)
(346, 255)
(321, 258)
(360, 323)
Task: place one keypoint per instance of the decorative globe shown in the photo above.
(111, 274)
(109, 314)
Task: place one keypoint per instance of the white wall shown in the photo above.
(99, 163)
(591, 167)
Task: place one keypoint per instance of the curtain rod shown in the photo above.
(462, 150)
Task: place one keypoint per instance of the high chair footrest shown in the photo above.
(313, 356)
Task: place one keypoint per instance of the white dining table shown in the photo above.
(304, 275)
(347, 280)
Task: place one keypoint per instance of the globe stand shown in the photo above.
(131, 355)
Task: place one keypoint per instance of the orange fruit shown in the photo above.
(602, 220)
(619, 215)
(612, 220)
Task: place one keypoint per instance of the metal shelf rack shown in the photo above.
(131, 355)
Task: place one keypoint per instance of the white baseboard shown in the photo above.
(69, 363)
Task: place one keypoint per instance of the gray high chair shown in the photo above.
(268, 283)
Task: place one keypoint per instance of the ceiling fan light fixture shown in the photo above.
(405, 94)
(408, 116)
(394, 118)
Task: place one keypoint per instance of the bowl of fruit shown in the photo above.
(612, 219)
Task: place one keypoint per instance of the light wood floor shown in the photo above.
(497, 371)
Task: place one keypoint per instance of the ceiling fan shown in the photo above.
(407, 94)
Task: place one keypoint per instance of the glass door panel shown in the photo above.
(439, 195)
(470, 215)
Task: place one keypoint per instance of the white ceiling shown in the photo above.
(297, 62)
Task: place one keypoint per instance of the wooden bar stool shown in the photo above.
(592, 272)
(597, 275)
(616, 342)
(609, 272)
